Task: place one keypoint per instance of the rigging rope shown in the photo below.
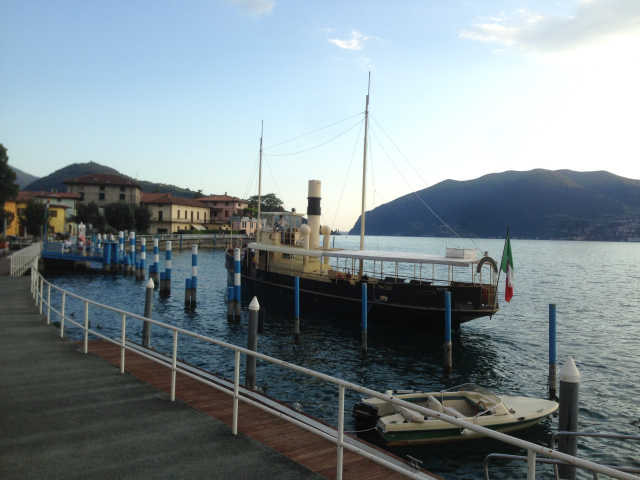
(306, 150)
(346, 176)
(255, 168)
(274, 180)
(314, 131)
(419, 197)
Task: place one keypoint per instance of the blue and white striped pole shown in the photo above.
(553, 377)
(143, 259)
(121, 252)
(132, 247)
(163, 279)
(447, 358)
(114, 256)
(167, 273)
(156, 262)
(365, 311)
(237, 292)
(106, 257)
(194, 274)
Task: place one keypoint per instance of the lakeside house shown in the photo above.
(104, 189)
(172, 214)
(222, 208)
(249, 224)
(62, 208)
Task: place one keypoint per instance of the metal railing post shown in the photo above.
(174, 361)
(48, 303)
(123, 337)
(236, 383)
(531, 465)
(340, 430)
(40, 293)
(64, 297)
(86, 327)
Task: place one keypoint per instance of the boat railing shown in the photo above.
(556, 463)
(38, 284)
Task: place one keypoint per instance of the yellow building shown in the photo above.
(57, 212)
(173, 214)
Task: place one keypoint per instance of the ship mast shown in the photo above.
(364, 174)
(259, 184)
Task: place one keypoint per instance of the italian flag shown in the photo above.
(507, 267)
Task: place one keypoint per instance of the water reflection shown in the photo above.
(597, 324)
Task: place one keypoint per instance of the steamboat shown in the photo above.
(401, 287)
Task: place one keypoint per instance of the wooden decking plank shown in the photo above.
(297, 443)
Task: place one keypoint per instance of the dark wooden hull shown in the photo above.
(416, 305)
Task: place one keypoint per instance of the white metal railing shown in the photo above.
(37, 285)
(22, 259)
(193, 236)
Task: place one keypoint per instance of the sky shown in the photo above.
(176, 92)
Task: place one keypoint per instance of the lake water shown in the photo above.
(595, 286)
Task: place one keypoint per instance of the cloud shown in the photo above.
(364, 62)
(354, 43)
(594, 21)
(254, 7)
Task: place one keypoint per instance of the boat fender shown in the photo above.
(411, 415)
(434, 404)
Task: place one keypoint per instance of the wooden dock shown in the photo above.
(299, 444)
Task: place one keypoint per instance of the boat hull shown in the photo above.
(420, 306)
(420, 437)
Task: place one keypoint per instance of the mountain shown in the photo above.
(54, 180)
(535, 204)
(23, 179)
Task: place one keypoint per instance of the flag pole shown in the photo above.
(500, 269)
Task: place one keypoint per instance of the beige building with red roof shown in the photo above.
(172, 214)
(223, 207)
(104, 189)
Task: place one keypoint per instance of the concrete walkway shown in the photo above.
(64, 414)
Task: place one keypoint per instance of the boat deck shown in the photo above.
(300, 445)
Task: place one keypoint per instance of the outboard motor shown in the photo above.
(365, 414)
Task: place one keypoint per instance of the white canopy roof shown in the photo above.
(286, 249)
(379, 256)
(382, 256)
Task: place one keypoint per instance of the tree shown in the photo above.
(8, 187)
(198, 194)
(250, 211)
(120, 216)
(32, 219)
(142, 214)
(8, 216)
(89, 214)
(269, 203)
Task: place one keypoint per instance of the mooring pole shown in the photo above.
(180, 242)
(143, 258)
(568, 414)
(121, 250)
(167, 273)
(252, 343)
(194, 275)
(237, 277)
(552, 351)
(296, 306)
(447, 360)
(106, 257)
(132, 247)
(156, 262)
(364, 317)
(148, 313)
